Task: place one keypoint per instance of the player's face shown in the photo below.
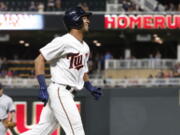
(86, 23)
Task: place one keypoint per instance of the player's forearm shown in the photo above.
(12, 116)
(39, 65)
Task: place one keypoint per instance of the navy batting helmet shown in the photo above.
(73, 17)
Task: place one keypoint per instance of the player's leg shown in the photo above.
(2, 129)
(66, 111)
(46, 125)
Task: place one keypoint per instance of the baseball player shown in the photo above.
(68, 56)
(7, 112)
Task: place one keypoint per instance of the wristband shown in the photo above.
(88, 86)
(41, 80)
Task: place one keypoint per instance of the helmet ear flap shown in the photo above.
(79, 23)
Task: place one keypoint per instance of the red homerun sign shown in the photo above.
(142, 21)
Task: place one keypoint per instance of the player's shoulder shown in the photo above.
(61, 39)
(67, 38)
(57, 39)
(7, 97)
(84, 42)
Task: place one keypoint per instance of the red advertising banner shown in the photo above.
(21, 117)
(142, 21)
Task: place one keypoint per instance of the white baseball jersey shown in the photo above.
(68, 59)
(6, 105)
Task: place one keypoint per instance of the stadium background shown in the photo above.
(138, 68)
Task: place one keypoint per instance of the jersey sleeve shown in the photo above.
(53, 50)
(11, 106)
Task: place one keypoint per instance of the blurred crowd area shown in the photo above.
(93, 5)
(129, 5)
(25, 68)
(50, 5)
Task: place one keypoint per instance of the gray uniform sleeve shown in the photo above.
(53, 50)
(11, 106)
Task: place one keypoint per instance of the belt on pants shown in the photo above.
(69, 88)
(1, 120)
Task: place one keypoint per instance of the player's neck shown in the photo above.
(77, 34)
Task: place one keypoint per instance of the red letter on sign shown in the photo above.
(148, 22)
(123, 22)
(135, 20)
(171, 23)
(110, 22)
(21, 116)
(159, 22)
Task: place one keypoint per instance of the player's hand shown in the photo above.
(43, 94)
(9, 124)
(96, 92)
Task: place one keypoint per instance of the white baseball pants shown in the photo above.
(3, 130)
(60, 110)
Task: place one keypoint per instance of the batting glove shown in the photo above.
(43, 94)
(96, 92)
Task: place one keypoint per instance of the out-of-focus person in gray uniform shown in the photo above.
(7, 112)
